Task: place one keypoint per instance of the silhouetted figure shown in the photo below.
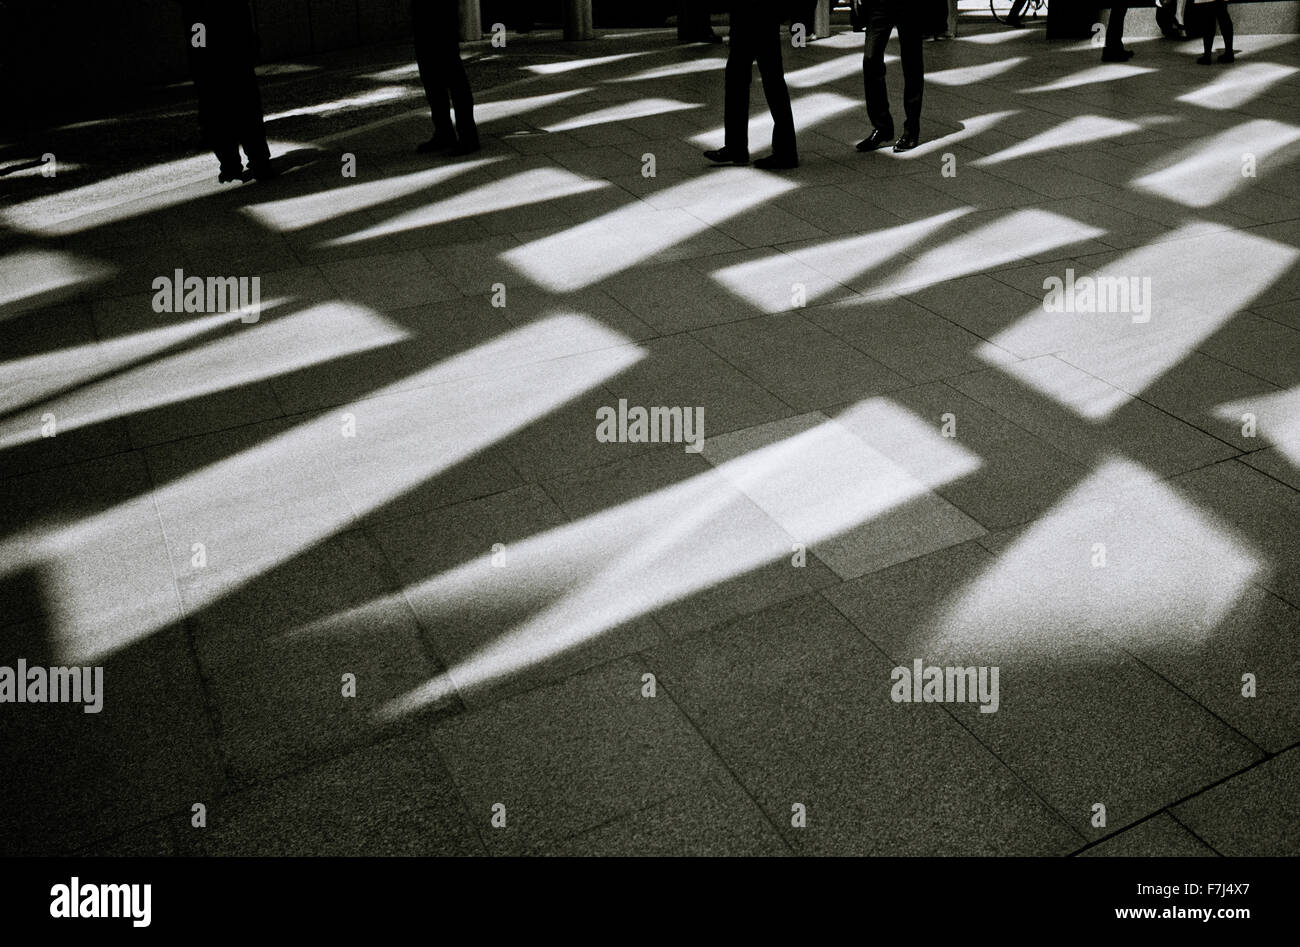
(693, 24)
(1114, 50)
(756, 36)
(222, 45)
(881, 17)
(437, 52)
(1207, 12)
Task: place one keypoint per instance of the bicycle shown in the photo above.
(1032, 8)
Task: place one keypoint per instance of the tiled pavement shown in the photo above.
(632, 648)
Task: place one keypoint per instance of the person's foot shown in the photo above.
(231, 172)
(1116, 55)
(466, 146)
(1205, 60)
(876, 140)
(262, 170)
(437, 143)
(907, 142)
(727, 156)
(776, 162)
(1227, 56)
(1013, 22)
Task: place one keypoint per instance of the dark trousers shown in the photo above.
(881, 20)
(230, 110)
(756, 37)
(230, 103)
(1207, 14)
(437, 53)
(1017, 8)
(1115, 28)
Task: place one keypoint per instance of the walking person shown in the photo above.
(881, 17)
(436, 24)
(756, 37)
(222, 46)
(1208, 12)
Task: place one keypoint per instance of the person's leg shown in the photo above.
(1013, 16)
(912, 50)
(215, 122)
(248, 121)
(1225, 27)
(772, 71)
(1114, 49)
(739, 73)
(1206, 17)
(426, 27)
(456, 82)
(879, 25)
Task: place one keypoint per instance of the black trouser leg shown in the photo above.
(1225, 23)
(247, 119)
(878, 27)
(437, 54)
(910, 40)
(772, 71)
(1115, 29)
(740, 67)
(215, 113)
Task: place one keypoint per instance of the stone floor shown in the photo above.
(639, 648)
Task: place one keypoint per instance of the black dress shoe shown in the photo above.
(1206, 60)
(906, 143)
(466, 146)
(231, 173)
(1116, 55)
(777, 162)
(877, 139)
(727, 156)
(1227, 56)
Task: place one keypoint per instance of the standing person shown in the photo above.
(881, 18)
(1207, 12)
(437, 52)
(756, 36)
(222, 45)
(1114, 50)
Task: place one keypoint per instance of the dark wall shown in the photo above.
(60, 55)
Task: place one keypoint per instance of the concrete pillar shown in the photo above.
(822, 19)
(578, 22)
(471, 21)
